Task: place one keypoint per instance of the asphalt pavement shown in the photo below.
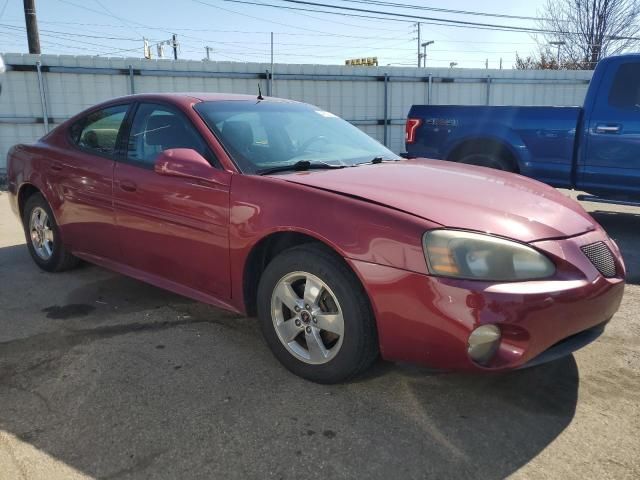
(102, 376)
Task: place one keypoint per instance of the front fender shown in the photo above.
(354, 228)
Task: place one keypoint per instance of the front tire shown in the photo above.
(43, 236)
(315, 315)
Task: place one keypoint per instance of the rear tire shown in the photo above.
(43, 236)
(488, 160)
(331, 335)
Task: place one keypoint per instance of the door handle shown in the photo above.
(57, 166)
(128, 186)
(608, 129)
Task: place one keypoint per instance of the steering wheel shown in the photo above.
(311, 141)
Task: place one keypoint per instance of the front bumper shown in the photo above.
(427, 320)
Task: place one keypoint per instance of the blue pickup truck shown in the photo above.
(594, 148)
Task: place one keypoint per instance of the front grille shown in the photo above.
(601, 257)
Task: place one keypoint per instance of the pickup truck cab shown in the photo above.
(594, 148)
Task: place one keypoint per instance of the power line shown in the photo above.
(74, 34)
(388, 16)
(408, 18)
(115, 16)
(443, 10)
(260, 18)
(209, 30)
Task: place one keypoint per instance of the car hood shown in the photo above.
(459, 196)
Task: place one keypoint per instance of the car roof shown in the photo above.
(190, 97)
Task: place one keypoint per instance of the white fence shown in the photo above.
(42, 91)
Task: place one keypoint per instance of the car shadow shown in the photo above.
(624, 228)
(163, 387)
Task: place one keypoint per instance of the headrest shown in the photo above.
(238, 133)
(163, 129)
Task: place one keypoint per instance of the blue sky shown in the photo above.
(240, 32)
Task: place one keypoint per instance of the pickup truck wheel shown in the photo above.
(487, 160)
(315, 315)
(43, 236)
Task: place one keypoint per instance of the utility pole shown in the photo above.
(558, 44)
(208, 50)
(500, 63)
(174, 41)
(419, 42)
(33, 37)
(424, 54)
(271, 89)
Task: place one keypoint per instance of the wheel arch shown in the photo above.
(266, 249)
(486, 144)
(26, 190)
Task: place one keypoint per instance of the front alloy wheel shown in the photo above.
(307, 318)
(316, 316)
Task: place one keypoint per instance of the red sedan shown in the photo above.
(343, 249)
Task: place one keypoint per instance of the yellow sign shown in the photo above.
(366, 62)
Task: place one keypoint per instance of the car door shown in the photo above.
(83, 178)
(170, 228)
(610, 163)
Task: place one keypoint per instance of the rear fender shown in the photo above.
(495, 133)
(28, 167)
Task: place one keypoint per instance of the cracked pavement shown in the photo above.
(102, 376)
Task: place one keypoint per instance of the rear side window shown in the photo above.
(98, 131)
(625, 91)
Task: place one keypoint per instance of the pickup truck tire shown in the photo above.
(488, 160)
(43, 236)
(315, 315)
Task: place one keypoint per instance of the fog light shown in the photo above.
(483, 343)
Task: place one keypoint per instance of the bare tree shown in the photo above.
(584, 31)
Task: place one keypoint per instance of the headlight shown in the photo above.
(459, 254)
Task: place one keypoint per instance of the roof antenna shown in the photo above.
(260, 97)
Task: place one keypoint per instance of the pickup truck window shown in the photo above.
(625, 90)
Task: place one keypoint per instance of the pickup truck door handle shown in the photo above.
(57, 166)
(608, 129)
(128, 186)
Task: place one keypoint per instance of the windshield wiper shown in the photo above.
(376, 160)
(299, 166)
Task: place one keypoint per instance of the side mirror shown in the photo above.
(185, 163)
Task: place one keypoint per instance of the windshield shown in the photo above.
(263, 135)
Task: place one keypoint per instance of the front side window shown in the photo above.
(99, 130)
(157, 128)
(267, 134)
(625, 91)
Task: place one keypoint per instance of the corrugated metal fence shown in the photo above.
(41, 91)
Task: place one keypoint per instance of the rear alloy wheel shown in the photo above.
(43, 236)
(315, 315)
(40, 233)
